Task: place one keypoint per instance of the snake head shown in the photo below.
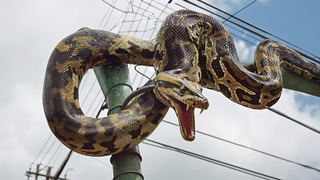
(175, 90)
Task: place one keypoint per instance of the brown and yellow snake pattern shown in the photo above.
(192, 50)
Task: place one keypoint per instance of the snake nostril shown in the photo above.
(183, 89)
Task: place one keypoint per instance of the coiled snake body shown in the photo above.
(192, 50)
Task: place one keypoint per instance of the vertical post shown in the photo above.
(48, 176)
(37, 171)
(115, 84)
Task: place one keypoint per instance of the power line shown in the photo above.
(54, 154)
(45, 144)
(247, 147)
(64, 163)
(48, 150)
(245, 7)
(150, 88)
(85, 99)
(58, 155)
(294, 120)
(233, 34)
(314, 58)
(210, 160)
(93, 101)
(255, 27)
(102, 162)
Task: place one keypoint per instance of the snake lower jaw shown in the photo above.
(186, 119)
(185, 114)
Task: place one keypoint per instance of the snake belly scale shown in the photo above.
(192, 50)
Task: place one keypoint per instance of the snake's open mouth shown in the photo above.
(185, 115)
(175, 89)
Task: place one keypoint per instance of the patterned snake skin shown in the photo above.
(192, 50)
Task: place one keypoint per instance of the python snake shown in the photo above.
(192, 50)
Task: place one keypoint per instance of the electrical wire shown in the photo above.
(92, 85)
(54, 154)
(54, 141)
(98, 107)
(94, 100)
(210, 160)
(257, 28)
(150, 88)
(102, 162)
(252, 31)
(249, 148)
(294, 120)
(45, 144)
(245, 7)
(233, 34)
(110, 9)
(134, 18)
(58, 155)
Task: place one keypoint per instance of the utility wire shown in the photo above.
(54, 154)
(102, 162)
(237, 24)
(257, 28)
(245, 7)
(247, 147)
(64, 163)
(58, 155)
(294, 120)
(48, 150)
(211, 160)
(233, 34)
(150, 88)
(45, 144)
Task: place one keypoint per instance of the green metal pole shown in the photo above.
(295, 82)
(115, 84)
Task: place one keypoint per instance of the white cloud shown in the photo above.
(23, 130)
(263, 1)
(229, 5)
(245, 53)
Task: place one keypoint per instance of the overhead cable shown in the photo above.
(45, 144)
(245, 7)
(253, 32)
(294, 120)
(211, 160)
(247, 147)
(255, 27)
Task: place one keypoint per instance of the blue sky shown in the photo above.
(32, 28)
(294, 21)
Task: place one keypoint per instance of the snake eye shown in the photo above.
(183, 89)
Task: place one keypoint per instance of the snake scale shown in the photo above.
(192, 50)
